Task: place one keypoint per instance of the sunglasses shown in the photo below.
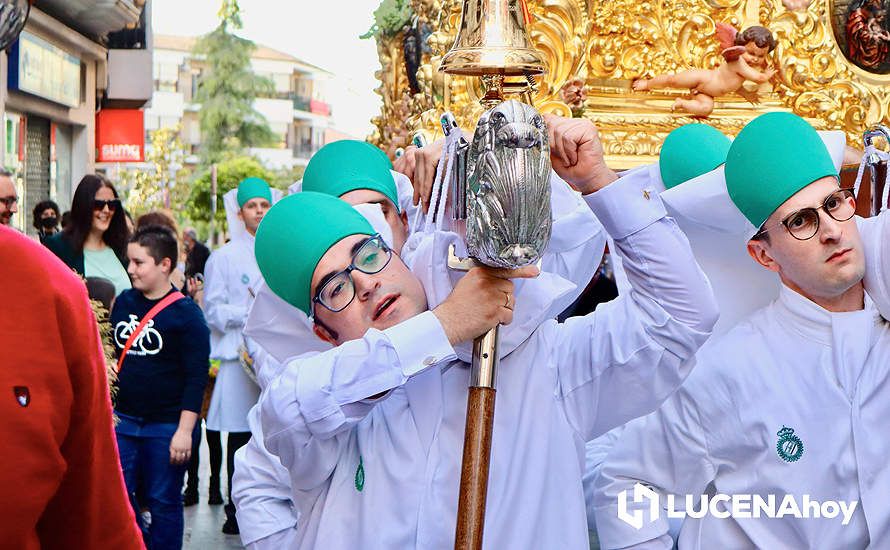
(99, 205)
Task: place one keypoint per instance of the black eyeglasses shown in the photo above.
(338, 291)
(803, 224)
(99, 205)
(9, 201)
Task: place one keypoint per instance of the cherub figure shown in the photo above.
(745, 54)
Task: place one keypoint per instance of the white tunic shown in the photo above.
(876, 238)
(792, 364)
(267, 516)
(261, 491)
(231, 275)
(385, 473)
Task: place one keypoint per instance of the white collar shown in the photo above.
(805, 317)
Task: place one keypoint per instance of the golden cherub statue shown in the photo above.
(745, 54)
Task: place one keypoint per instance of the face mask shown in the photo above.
(49, 223)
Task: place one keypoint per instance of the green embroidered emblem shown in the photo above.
(245, 279)
(789, 447)
(360, 475)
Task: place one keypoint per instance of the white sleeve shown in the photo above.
(280, 540)
(261, 492)
(876, 239)
(310, 407)
(577, 241)
(666, 451)
(621, 361)
(220, 315)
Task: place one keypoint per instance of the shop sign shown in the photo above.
(120, 135)
(37, 67)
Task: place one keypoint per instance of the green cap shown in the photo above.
(251, 188)
(347, 165)
(773, 157)
(293, 237)
(690, 151)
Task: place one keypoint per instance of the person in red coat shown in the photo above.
(60, 474)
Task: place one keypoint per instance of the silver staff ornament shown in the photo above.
(508, 187)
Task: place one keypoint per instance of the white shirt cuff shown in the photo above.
(420, 343)
(627, 205)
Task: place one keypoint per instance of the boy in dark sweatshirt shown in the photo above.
(160, 383)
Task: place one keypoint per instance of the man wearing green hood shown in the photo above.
(782, 412)
(371, 431)
(358, 173)
(231, 279)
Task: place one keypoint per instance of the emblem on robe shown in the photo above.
(22, 395)
(789, 447)
(360, 476)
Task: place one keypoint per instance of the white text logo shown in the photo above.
(725, 506)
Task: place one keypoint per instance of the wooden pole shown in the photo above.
(477, 443)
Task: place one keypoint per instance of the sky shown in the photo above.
(322, 32)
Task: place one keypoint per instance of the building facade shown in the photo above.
(54, 80)
(297, 111)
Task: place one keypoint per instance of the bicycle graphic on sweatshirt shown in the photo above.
(148, 342)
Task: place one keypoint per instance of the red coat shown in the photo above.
(60, 473)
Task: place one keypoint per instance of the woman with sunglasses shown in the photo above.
(94, 243)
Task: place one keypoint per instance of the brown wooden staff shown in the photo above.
(477, 443)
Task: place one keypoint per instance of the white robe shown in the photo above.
(231, 275)
(267, 515)
(561, 386)
(791, 364)
(876, 239)
(262, 490)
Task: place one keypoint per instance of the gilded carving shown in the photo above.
(606, 44)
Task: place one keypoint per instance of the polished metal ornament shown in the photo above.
(508, 187)
(13, 14)
(493, 39)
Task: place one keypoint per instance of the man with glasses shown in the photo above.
(8, 198)
(790, 402)
(371, 431)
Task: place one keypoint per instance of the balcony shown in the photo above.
(301, 103)
(94, 18)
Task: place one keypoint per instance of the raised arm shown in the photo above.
(308, 410)
(623, 360)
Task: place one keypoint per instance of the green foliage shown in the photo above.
(144, 190)
(227, 89)
(229, 174)
(389, 18)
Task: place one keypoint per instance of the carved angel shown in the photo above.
(745, 59)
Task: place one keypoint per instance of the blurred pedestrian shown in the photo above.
(94, 243)
(46, 219)
(62, 481)
(8, 198)
(163, 345)
(196, 254)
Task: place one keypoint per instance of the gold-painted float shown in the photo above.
(597, 48)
